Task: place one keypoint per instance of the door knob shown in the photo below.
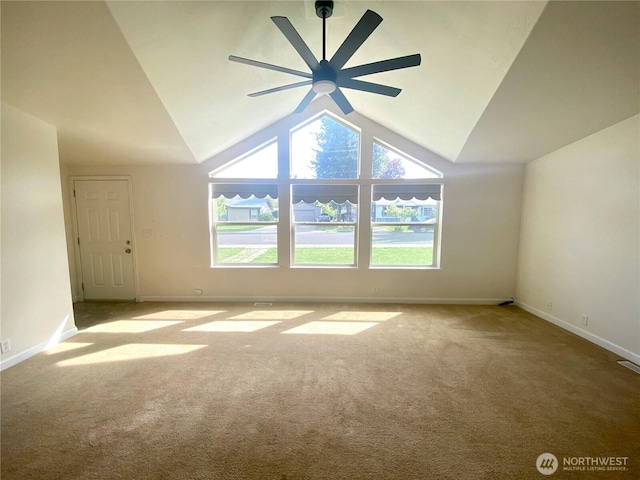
(128, 250)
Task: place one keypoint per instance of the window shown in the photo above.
(324, 221)
(388, 163)
(324, 148)
(404, 223)
(324, 211)
(261, 162)
(244, 224)
(332, 203)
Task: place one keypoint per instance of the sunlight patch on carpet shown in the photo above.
(363, 316)
(233, 326)
(66, 347)
(271, 315)
(332, 328)
(130, 326)
(132, 351)
(179, 314)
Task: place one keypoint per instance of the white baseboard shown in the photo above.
(601, 342)
(30, 352)
(316, 299)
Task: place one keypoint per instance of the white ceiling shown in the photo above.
(150, 82)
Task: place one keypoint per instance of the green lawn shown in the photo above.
(237, 228)
(402, 256)
(408, 256)
(324, 256)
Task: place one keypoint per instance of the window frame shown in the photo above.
(363, 225)
(215, 223)
(435, 260)
(327, 184)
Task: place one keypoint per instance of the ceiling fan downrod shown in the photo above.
(324, 9)
(324, 78)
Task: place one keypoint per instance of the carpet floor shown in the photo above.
(318, 391)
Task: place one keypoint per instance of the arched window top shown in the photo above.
(325, 148)
(390, 163)
(261, 162)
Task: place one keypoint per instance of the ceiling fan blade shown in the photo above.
(296, 40)
(269, 66)
(365, 27)
(382, 66)
(369, 87)
(283, 87)
(305, 101)
(341, 101)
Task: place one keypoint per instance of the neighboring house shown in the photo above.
(423, 208)
(305, 212)
(250, 209)
(246, 209)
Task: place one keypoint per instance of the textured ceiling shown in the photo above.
(150, 82)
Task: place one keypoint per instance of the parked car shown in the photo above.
(323, 217)
(424, 226)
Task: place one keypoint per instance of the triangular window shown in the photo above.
(389, 163)
(261, 162)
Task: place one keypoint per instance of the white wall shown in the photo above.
(36, 309)
(481, 222)
(580, 240)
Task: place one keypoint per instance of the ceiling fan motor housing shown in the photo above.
(324, 72)
(324, 8)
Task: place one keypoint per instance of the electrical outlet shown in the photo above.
(375, 289)
(5, 346)
(550, 305)
(585, 319)
(198, 291)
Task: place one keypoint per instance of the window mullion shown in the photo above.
(285, 220)
(364, 230)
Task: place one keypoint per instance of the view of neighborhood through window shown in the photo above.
(244, 229)
(325, 219)
(326, 189)
(403, 221)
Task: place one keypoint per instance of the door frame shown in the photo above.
(74, 222)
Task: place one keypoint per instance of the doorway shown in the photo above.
(104, 239)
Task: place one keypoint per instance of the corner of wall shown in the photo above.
(36, 310)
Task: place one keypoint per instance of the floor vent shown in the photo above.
(630, 365)
(262, 304)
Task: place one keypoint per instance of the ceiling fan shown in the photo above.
(328, 76)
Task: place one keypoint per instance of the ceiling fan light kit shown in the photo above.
(324, 87)
(327, 77)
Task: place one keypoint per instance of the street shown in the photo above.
(312, 235)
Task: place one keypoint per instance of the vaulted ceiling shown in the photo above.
(150, 82)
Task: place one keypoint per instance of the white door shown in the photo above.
(104, 239)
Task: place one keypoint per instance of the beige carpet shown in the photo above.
(306, 391)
